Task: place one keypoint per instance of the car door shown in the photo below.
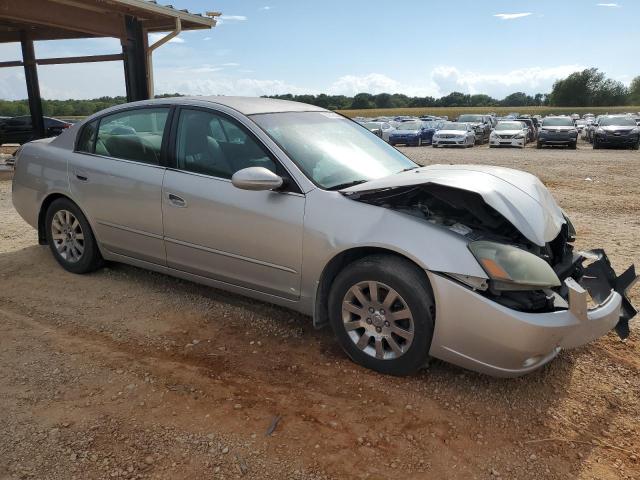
(116, 174)
(251, 239)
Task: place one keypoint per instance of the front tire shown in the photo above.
(70, 237)
(381, 310)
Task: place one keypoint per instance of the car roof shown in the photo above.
(244, 105)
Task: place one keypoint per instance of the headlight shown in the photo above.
(600, 130)
(512, 268)
(519, 135)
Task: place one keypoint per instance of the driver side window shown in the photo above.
(213, 144)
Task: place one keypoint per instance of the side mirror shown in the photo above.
(256, 178)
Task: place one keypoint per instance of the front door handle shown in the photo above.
(177, 201)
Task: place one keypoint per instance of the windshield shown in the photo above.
(331, 150)
(557, 122)
(454, 126)
(617, 121)
(470, 118)
(409, 126)
(509, 126)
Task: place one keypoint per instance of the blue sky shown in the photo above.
(415, 47)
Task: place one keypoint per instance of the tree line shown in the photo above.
(588, 88)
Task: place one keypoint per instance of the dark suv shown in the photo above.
(481, 125)
(558, 131)
(617, 131)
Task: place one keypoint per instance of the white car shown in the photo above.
(509, 134)
(455, 134)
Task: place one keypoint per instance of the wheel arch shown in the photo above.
(338, 263)
(42, 215)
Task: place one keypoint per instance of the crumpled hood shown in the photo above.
(518, 196)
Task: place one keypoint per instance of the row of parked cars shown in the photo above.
(513, 130)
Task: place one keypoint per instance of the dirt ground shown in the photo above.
(129, 374)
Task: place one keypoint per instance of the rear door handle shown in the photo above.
(80, 175)
(177, 201)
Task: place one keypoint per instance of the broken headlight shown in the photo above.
(511, 268)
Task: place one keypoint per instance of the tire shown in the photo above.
(596, 145)
(636, 146)
(573, 146)
(70, 237)
(414, 295)
(539, 145)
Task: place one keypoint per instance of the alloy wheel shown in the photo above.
(67, 236)
(378, 320)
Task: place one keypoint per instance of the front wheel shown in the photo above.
(70, 237)
(381, 310)
(539, 145)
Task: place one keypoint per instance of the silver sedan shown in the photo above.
(296, 205)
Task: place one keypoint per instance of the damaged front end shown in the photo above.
(529, 269)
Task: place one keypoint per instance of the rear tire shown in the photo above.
(70, 237)
(389, 331)
(539, 145)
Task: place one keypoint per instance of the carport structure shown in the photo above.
(26, 21)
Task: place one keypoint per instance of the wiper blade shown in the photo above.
(347, 184)
(407, 169)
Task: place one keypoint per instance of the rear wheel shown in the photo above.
(539, 145)
(381, 309)
(70, 237)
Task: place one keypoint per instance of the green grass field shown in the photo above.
(453, 112)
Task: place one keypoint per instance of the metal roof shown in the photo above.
(56, 19)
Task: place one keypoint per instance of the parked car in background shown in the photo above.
(481, 125)
(532, 131)
(580, 125)
(20, 129)
(509, 134)
(373, 127)
(454, 134)
(416, 133)
(617, 131)
(558, 131)
(385, 128)
(470, 264)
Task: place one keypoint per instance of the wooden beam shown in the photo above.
(16, 63)
(66, 17)
(43, 33)
(86, 59)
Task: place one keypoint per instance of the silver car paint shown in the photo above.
(289, 273)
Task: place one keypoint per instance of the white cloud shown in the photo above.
(266, 7)
(530, 80)
(612, 5)
(512, 16)
(222, 19)
(154, 37)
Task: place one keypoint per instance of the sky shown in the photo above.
(415, 47)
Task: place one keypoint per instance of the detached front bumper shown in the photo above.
(475, 332)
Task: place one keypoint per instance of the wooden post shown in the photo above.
(33, 87)
(135, 60)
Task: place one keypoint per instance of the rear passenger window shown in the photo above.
(87, 137)
(133, 135)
